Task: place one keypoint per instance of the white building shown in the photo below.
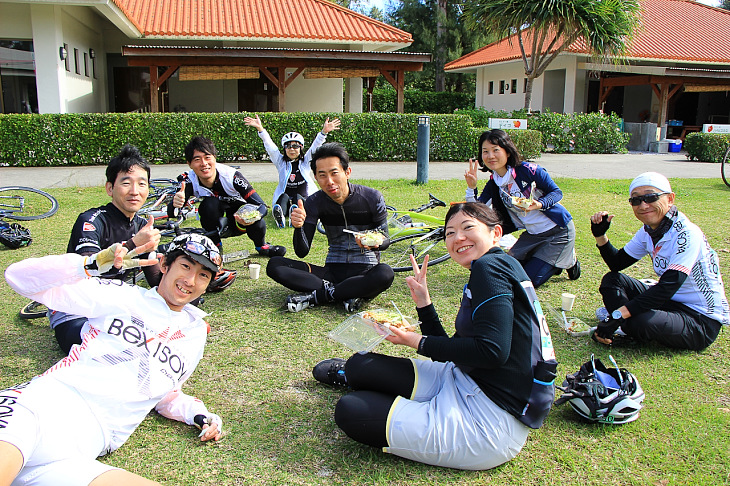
(234, 55)
(678, 68)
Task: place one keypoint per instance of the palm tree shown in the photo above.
(545, 28)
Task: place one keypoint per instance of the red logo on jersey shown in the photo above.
(88, 227)
(292, 177)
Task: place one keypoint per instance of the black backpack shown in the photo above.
(544, 366)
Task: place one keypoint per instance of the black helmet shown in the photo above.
(14, 236)
(603, 395)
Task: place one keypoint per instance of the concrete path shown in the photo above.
(613, 166)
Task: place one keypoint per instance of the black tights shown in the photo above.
(351, 280)
(377, 381)
(216, 214)
(673, 324)
(285, 201)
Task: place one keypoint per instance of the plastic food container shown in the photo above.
(575, 326)
(249, 212)
(361, 334)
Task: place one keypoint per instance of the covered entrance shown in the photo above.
(268, 72)
(692, 97)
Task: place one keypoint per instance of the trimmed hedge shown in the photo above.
(94, 138)
(706, 147)
(580, 133)
(417, 101)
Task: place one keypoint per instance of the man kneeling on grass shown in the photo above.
(687, 307)
(138, 348)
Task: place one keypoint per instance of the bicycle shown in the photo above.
(26, 203)
(725, 160)
(161, 193)
(417, 234)
(22, 204)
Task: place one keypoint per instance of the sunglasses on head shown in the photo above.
(647, 198)
(200, 249)
(291, 145)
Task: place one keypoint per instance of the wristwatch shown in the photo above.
(616, 314)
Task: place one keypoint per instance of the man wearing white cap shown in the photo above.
(687, 307)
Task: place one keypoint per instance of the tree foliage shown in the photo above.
(437, 29)
(546, 28)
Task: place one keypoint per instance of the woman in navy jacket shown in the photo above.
(526, 198)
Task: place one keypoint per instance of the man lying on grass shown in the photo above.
(139, 346)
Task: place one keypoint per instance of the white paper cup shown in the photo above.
(253, 270)
(568, 300)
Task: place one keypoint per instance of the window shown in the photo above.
(491, 87)
(86, 65)
(66, 62)
(501, 87)
(77, 67)
(524, 88)
(514, 86)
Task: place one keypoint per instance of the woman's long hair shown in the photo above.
(499, 137)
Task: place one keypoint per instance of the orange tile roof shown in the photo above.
(677, 30)
(309, 20)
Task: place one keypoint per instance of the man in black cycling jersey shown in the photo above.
(348, 211)
(224, 191)
(127, 183)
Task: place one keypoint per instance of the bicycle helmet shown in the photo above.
(222, 280)
(292, 137)
(603, 395)
(15, 236)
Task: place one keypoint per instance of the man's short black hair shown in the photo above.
(332, 149)
(127, 158)
(201, 144)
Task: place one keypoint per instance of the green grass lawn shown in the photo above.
(256, 372)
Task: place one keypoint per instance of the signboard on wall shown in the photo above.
(715, 128)
(508, 123)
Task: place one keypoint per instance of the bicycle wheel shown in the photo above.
(33, 310)
(26, 203)
(725, 160)
(397, 255)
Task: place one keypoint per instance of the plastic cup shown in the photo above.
(254, 270)
(568, 300)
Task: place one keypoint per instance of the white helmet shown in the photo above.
(292, 137)
(603, 395)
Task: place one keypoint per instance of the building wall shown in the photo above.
(15, 21)
(81, 30)
(50, 27)
(203, 96)
(562, 88)
(316, 95)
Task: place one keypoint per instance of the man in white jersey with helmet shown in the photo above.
(139, 346)
(687, 307)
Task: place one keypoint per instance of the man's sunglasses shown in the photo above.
(199, 249)
(647, 198)
(292, 145)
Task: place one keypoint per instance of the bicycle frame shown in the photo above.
(420, 223)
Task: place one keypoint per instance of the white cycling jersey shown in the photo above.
(136, 353)
(685, 248)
